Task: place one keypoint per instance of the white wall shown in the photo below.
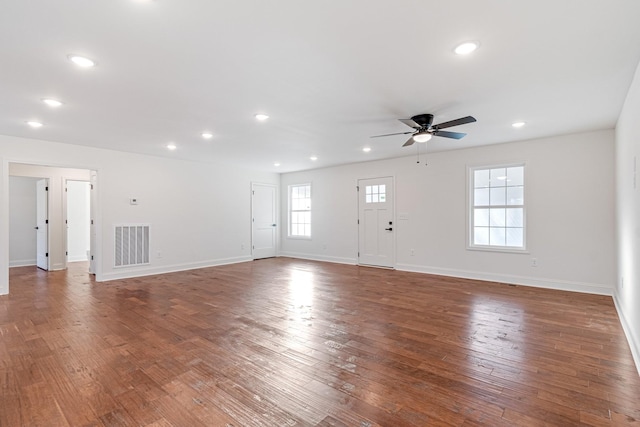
(78, 220)
(22, 220)
(200, 214)
(627, 295)
(569, 200)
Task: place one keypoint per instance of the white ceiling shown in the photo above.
(329, 73)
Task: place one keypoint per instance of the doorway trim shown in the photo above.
(4, 215)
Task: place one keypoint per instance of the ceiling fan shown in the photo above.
(424, 130)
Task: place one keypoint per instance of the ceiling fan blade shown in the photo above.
(390, 134)
(456, 122)
(410, 123)
(409, 142)
(445, 134)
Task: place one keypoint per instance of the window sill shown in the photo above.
(498, 249)
(299, 237)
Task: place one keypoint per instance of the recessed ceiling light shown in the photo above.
(313, 158)
(366, 149)
(276, 164)
(81, 61)
(207, 135)
(52, 102)
(518, 124)
(261, 117)
(171, 146)
(466, 48)
(34, 124)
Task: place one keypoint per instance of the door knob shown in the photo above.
(35, 228)
(273, 225)
(389, 229)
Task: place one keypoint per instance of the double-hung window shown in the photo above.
(300, 210)
(497, 209)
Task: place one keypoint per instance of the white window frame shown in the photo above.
(290, 212)
(471, 209)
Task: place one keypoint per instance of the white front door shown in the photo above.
(42, 224)
(375, 222)
(264, 224)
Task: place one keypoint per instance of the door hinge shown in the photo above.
(358, 221)
(357, 188)
(358, 254)
(66, 221)
(91, 222)
(253, 247)
(67, 253)
(46, 188)
(253, 192)
(47, 254)
(91, 257)
(46, 221)
(91, 186)
(66, 190)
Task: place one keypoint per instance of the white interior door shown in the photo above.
(375, 222)
(42, 224)
(264, 224)
(92, 226)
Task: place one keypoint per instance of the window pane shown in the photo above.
(498, 177)
(481, 197)
(481, 178)
(481, 217)
(515, 195)
(498, 196)
(515, 237)
(383, 198)
(481, 236)
(368, 198)
(305, 217)
(497, 237)
(515, 217)
(515, 175)
(382, 188)
(374, 198)
(307, 191)
(497, 217)
(368, 189)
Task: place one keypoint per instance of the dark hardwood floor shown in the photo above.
(283, 342)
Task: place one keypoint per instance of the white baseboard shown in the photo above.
(77, 258)
(562, 285)
(150, 270)
(626, 327)
(314, 257)
(22, 263)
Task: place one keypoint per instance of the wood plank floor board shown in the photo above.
(283, 342)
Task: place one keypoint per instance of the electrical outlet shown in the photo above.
(534, 262)
(324, 247)
(159, 254)
(242, 247)
(413, 252)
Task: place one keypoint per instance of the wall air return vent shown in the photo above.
(131, 244)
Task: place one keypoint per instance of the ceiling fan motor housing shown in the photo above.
(424, 120)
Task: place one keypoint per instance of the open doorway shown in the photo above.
(78, 220)
(67, 220)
